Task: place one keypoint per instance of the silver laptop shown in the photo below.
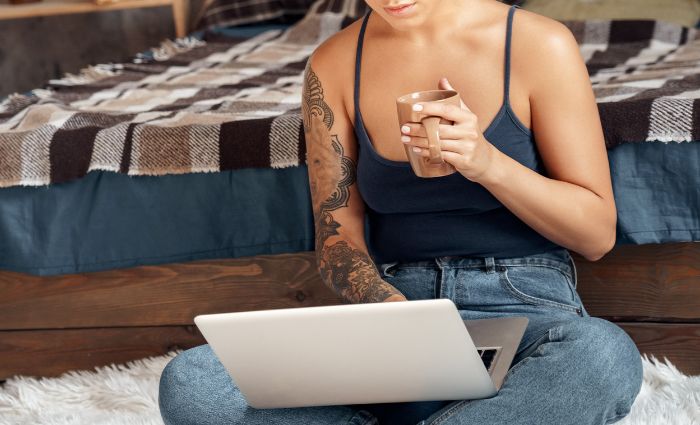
(362, 353)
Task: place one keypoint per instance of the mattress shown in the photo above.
(657, 192)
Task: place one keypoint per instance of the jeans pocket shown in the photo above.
(572, 268)
(541, 285)
(387, 269)
(415, 282)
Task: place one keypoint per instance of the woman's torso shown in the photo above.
(411, 218)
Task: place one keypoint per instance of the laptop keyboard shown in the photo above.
(487, 355)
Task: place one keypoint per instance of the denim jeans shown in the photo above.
(570, 368)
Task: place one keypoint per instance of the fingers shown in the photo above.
(447, 131)
(446, 111)
(446, 145)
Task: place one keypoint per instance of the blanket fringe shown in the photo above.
(169, 48)
(15, 102)
(88, 75)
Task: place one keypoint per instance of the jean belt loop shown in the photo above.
(490, 265)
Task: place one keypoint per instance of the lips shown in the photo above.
(398, 7)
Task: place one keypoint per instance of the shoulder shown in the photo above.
(543, 42)
(333, 61)
(543, 47)
(541, 35)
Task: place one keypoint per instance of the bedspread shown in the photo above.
(213, 103)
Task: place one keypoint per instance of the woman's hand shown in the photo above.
(462, 144)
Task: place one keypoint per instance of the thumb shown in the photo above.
(444, 84)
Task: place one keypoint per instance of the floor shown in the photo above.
(128, 395)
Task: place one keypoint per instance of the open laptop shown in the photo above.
(362, 353)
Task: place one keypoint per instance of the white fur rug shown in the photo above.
(128, 395)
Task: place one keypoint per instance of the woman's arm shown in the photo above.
(574, 205)
(341, 253)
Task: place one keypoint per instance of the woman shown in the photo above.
(493, 237)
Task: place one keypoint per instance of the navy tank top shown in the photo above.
(410, 218)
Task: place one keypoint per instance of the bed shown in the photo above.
(138, 195)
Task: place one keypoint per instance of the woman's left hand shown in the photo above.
(462, 144)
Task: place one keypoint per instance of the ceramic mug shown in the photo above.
(433, 165)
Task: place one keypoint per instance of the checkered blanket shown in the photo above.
(223, 103)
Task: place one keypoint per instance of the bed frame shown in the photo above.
(49, 325)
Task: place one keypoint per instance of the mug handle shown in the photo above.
(432, 129)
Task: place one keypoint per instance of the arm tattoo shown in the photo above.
(350, 272)
(313, 104)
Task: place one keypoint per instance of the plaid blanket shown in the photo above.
(223, 103)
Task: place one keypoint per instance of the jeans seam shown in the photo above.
(534, 300)
(448, 413)
(566, 273)
(437, 284)
(616, 418)
(573, 271)
(363, 417)
(532, 262)
(393, 268)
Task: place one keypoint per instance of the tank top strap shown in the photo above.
(509, 32)
(358, 61)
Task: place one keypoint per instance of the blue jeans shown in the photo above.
(570, 368)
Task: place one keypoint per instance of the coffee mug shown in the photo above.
(433, 165)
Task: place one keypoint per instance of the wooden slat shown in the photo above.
(641, 282)
(679, 342)
(648, 282)
(170, 294)
(655, 282)
(62, 7)
(52, 352)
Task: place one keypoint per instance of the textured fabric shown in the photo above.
(657, 192)
(109, 220)
(569, 369)
(413, 218)
(225, 103)
(681, 12)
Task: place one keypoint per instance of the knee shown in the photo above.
(608, 361)
(176, 381)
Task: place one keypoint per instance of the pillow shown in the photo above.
(682, 12)
(226, 13)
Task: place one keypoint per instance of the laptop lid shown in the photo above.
(349, 354)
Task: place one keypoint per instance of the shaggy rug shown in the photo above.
(128, 395)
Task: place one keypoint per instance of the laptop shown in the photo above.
(389, 352)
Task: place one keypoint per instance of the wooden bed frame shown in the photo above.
(49, 325)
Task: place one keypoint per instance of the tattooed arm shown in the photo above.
(341, 253)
